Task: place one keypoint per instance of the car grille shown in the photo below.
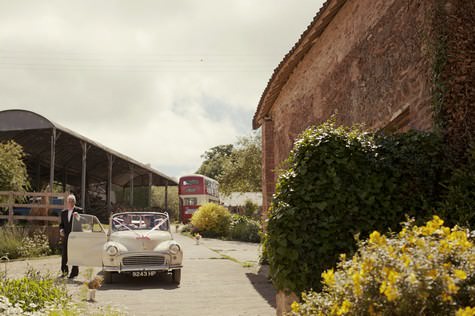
(143, 260)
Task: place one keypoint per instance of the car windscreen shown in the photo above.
(139, 221)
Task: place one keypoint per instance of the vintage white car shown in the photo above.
(137, 243)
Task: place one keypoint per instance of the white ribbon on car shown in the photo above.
(120, 224)
(156, 226)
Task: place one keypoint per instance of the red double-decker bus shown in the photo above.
(195, 190)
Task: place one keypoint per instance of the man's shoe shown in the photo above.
(72, 276)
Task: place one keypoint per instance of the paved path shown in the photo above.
(210, 285)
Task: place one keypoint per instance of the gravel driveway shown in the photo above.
(216, 280)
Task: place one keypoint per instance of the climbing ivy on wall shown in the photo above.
(453, 78)
(439, 47)
(340, 183)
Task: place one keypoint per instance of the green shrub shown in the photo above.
(427, 270)
(11, 238)
(34, 291)
(16, 242)
(244, 229)
(212, 220)
(251, 209)
(340, 182)
(458, 202)
(411, 166)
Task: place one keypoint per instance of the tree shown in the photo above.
(158, 199)
(214, 159)
(13, 173)
(242, 170)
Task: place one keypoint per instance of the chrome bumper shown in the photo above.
(142, 261)
(120, 269)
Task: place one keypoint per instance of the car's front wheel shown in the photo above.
(176, 276)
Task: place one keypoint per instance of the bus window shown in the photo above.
(190, 201)
(211, 188)
(191, 182)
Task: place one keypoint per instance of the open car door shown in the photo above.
(85, 242)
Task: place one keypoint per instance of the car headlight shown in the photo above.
(174, 248)
(112, 250)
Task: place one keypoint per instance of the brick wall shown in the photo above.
(268, 166)
(372, 65)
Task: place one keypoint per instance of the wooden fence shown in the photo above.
(45, 205)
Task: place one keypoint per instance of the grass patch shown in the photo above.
(245, 264)
(23, 242)
(217, 258)
(11, 238)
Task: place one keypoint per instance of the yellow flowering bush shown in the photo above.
(422, 270)
(212, 220)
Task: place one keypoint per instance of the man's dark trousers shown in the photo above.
(66, 225)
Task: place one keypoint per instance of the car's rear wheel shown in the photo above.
(107, 277)
(176, 276)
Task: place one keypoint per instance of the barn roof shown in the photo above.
(34, 132)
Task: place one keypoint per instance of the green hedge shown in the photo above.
(244, 228)
(458, 200)
(343, 182)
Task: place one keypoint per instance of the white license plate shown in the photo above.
(137, 274)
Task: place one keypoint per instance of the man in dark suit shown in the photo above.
(65, 228)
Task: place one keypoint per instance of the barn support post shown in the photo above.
(52, 158)
(150, 179)
(85, 147)
(131, 185)
(11, 201)
(166, 195)
(65, 179)
(38, 174)
(110, 159)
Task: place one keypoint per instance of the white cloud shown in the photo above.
(160, 81)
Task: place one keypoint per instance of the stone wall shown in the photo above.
(372, 65)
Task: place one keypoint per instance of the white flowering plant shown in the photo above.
(15, 242)
(38, 294)
(35, 246)
(50, 309)
(34, 291)
(422, 270)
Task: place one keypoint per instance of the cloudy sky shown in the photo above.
(160, 81)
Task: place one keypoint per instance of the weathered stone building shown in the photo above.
(390, 64)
